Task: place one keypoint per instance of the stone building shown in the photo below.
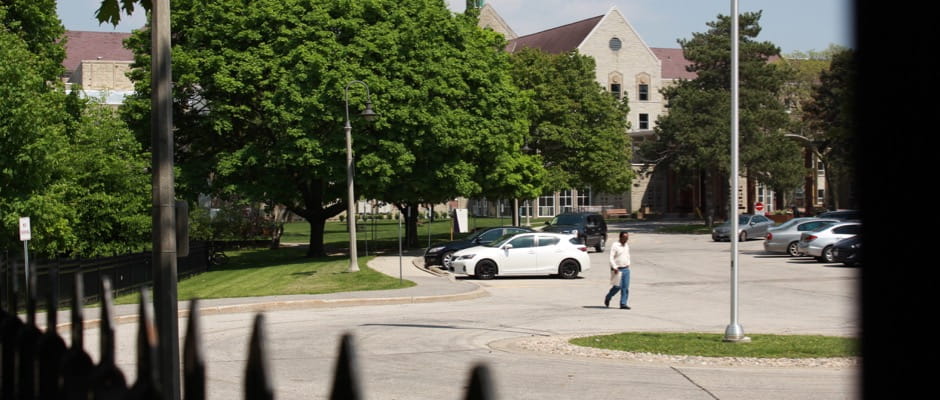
(97, 63)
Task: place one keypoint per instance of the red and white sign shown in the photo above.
(25, 232)
(759, 208)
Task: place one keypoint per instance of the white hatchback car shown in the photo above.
(536, 253)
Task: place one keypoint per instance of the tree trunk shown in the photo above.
(315, 247)
(709, 199)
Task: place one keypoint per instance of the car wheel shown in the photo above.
(743, 236)
(600, 245)
(826, 256)
(568, 269)
(485, 270)
(446, 259)
(793, 249)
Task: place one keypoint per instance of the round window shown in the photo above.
(615, 44)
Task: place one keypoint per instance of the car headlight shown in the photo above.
(436, 249)
(465, 256)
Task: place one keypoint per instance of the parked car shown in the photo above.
(786, 237)
(819, 243)
(588, 226)
(848, 251)
(845, 215)
(749, 226)
(537, 253)
(441, 254)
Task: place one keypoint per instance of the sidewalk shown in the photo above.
(431, 286)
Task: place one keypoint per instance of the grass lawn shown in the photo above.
(382, 234)
(711, 345)
(264, 272)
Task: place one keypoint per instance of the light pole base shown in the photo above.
(734, 333)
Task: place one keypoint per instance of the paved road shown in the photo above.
(418, 349)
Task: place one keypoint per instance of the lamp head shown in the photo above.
(368, 114)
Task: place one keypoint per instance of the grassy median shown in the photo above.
(264, 272)
(711, 345)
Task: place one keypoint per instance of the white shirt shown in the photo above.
(619, 255)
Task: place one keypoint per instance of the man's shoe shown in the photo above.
(622, 307)
(606, 302)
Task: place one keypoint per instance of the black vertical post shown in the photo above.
(9, 330)
(481, 384)
(51, 347)
(345, 378)
(107, 379)
(147, 386)
(258, 370)
(76, 365)
(26, 340)
(194, 364)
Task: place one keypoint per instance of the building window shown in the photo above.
(615, 44)
(644, 121)
(644, 92)
(564, 200)
(547, 205)
(584, 197)
(820, 196)
(615, 90)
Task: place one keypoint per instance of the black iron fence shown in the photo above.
(39, 365)
(128, 272)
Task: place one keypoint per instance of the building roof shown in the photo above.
(674, 63)
(557, 40)
(84, 45)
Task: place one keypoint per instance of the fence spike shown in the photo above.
(194, 364)
(76, 365)
(257, 373)
(147, 385)
(26, 341)
(9, 330)
(107, 379)
(481, 384)
(51, 347)
(345, 377)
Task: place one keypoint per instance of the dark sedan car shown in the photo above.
(848, 251)
(441, 254)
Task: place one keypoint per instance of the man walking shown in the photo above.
(619, 271)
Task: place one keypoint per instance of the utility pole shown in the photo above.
(164, 215)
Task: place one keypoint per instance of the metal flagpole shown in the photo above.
(734, 332)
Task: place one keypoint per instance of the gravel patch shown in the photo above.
(558, 345)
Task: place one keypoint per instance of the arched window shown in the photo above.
(616, 84)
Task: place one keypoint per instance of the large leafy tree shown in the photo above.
(578, 128)
(830, 116)
(68, 164)
(695, 134)
(259, 96)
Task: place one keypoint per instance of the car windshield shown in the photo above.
(501, 241)
(566, 219)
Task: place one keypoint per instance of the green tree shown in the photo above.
(830, 116)
(72, 167)
(37, 24)
(695, 135)
(577, 127)
(259, 97)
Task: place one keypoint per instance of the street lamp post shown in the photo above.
(368, 115)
